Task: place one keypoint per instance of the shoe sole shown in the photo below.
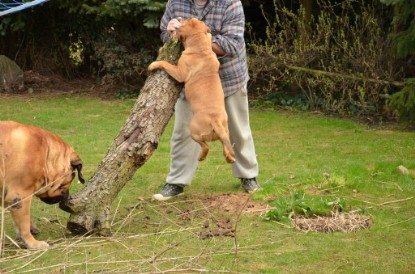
(160, 197)
(253, 190)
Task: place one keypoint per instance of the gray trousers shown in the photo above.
(185, 151)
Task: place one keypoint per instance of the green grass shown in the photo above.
(297, 152)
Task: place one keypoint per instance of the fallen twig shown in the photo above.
(399, 222)
(396, 201)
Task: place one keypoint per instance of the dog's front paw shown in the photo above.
(153, 66)
(37, 245)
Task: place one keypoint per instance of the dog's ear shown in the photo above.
(76, 163)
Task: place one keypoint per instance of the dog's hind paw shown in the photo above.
(230, 160)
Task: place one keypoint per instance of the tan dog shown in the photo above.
(198, 68)
(36, 162)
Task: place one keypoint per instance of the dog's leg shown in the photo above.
(21, 218)
(176, 72)
(199, 137)
(205, 149)
(223, 134)
(16, 229)
(33, 229)
(228, 151)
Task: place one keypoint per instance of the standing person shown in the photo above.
(226, 21)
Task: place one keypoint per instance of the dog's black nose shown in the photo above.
(51, 200)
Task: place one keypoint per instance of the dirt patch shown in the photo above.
(225, 204)
(224, 210)
(233, 203)
(224, 227)
(216, 214)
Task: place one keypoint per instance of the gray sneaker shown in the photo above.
(250, 185)
(168, 191)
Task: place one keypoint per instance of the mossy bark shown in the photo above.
(134, 145)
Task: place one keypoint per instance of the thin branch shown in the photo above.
(396, 201)
(350, 77)
(399, 222)
(238, 219)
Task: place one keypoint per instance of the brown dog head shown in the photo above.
(60, 188)
(190, 28)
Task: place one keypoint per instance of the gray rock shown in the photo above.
(11, 75)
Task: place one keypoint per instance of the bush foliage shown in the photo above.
(338, 58)
(111, 38)
(403, 102)
(404, 23)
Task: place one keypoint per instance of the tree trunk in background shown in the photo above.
(309, 13)
(134, 145)
(307, 5)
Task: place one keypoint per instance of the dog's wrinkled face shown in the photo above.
(189, 28)
(60, 189)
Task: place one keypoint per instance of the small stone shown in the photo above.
(11, 75)
(403, 170)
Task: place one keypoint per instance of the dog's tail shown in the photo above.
(223, 134)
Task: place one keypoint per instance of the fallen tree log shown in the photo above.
(134, 145)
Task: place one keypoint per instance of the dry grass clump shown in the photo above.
(337, 221)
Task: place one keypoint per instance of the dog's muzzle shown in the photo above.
(55, 200)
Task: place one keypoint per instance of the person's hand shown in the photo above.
(174, 24)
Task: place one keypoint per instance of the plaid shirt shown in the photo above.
(226, 21)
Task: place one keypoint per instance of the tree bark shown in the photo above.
(134, 145)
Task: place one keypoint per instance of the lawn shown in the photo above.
(318, 156)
